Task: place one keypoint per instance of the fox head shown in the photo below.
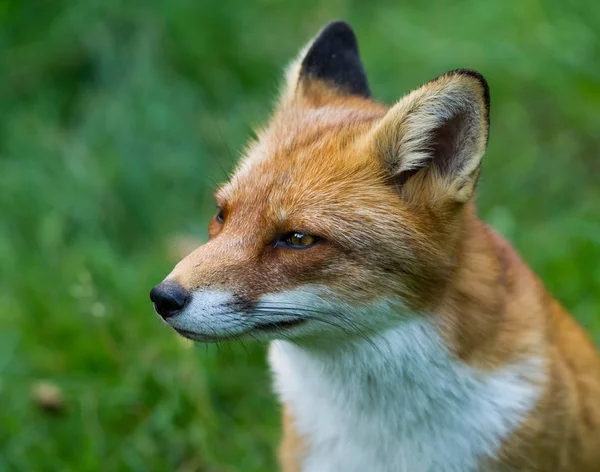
(344, 215)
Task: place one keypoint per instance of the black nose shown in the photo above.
(168, 298)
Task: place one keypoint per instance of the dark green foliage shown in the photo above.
(116, 120)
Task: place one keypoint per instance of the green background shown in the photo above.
(116, 121)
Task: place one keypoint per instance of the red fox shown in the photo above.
(406, 334)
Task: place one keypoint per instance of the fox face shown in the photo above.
(345, 215)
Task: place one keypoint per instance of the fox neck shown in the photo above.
(481, 323)
(406, 393)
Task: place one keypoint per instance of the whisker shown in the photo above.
(232, 157)
(269, 314)
(351, 322)
(241, 343)
(349, 327)
(212, 154)
(351, 330)
(363, 331)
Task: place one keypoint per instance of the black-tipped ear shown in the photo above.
(333, 57)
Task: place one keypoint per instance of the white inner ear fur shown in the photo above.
(450, 108)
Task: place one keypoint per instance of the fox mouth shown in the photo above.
(271, 326)
(200, 337)
(277, 325)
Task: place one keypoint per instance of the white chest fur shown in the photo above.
(402, 405)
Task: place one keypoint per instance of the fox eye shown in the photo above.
(220, 217)
(297, 240)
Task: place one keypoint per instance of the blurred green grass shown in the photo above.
(116, 121)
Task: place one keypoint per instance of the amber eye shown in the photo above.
(296, 240)
(220, 217)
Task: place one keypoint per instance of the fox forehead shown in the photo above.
(306, 163)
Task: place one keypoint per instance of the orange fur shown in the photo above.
(292, 446)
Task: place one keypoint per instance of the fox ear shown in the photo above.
(442, 129)
(330, 59)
